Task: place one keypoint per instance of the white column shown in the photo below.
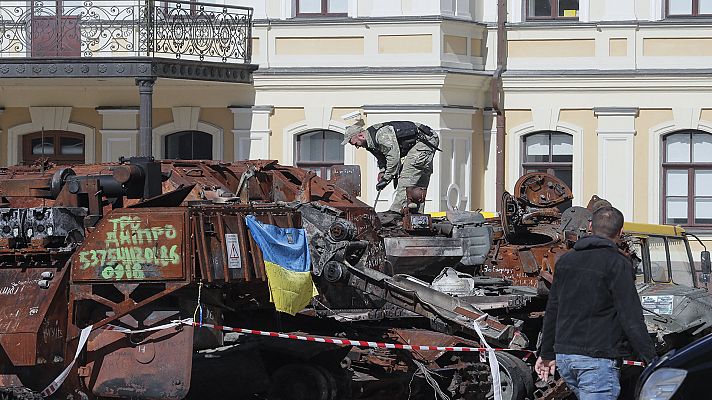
(252, 132)
(616, 133)
(490, 152)
(119, 133)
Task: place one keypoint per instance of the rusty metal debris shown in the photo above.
(140, 243)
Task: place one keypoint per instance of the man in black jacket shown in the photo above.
(593, 308)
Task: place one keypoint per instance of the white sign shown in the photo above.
(657, 304)
(234, 261)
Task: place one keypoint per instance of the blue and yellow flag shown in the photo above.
(287, 263)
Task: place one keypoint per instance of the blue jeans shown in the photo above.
(590, 378)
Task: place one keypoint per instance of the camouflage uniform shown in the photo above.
(414, 169)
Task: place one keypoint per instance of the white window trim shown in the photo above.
(49, 119)
(515, 153)
(290, 133)
(186, 119)
(656, 133)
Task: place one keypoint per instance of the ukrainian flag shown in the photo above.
(287, 263)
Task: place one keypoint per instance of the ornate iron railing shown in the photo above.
(120, 28)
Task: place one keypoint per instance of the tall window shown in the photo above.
(322, 7)
(320, 150)
(687, 8)
(552, 9)
(59, 147)
(687, 178)
(189, 145)
(550, 152)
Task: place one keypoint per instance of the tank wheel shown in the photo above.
(302, 382)
(516, 377)
(474, 382)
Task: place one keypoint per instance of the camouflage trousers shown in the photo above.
(416, 168)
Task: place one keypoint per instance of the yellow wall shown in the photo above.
(586, 120)
(646, 120)
(89, 117)
(397, 44)
(618, 47)
(706, 115)
(514, 119)
(11, 117)
(552, 48)
(293, 46)
(223, 118)
(280, 119)
(162, 116)
(455, 45)
(675, 47)
(478, 162)
(476, 47)
(255, 46)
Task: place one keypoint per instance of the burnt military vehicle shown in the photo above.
(101, 266)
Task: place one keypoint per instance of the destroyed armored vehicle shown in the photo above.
(106, 270)
(130, 257)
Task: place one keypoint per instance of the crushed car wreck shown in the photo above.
(121, 255)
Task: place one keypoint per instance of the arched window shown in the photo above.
(551, 152)
(189, 145)
(319, 150)
(60, 147)
(687, 178)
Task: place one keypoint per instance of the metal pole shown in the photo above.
(497, 92)
(145, 139)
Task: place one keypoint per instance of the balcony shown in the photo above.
(115, 38)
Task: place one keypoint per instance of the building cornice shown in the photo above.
(125, 67)
(406, 19)
(417, 108)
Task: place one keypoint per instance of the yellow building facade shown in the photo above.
(615, 97)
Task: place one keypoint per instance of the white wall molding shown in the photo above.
(252, 132)
(119, 133)
(121, 138)
(657, 9)
(184, 118)
(584, 10)
(514, 153)
(490, 152)
(616, 154)
(655, 138)
(545, 118)
(49, 118)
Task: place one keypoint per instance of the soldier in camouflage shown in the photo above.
(404, 151)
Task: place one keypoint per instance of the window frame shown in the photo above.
(57, 157)
(695, 11)
(192, 132)
(324, 11)
(323, 166)
(554, 13)
(550, 166)
(690, 167)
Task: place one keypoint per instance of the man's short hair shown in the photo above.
(607, 222)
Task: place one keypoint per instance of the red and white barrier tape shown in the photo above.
(364, 343)
(349, 342)
(52, 387)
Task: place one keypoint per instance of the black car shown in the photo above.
(681, 374)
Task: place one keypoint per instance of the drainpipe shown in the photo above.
(497, 93)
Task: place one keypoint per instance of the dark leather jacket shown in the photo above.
(593, 307)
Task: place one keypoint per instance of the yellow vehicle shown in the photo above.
(671, 286)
